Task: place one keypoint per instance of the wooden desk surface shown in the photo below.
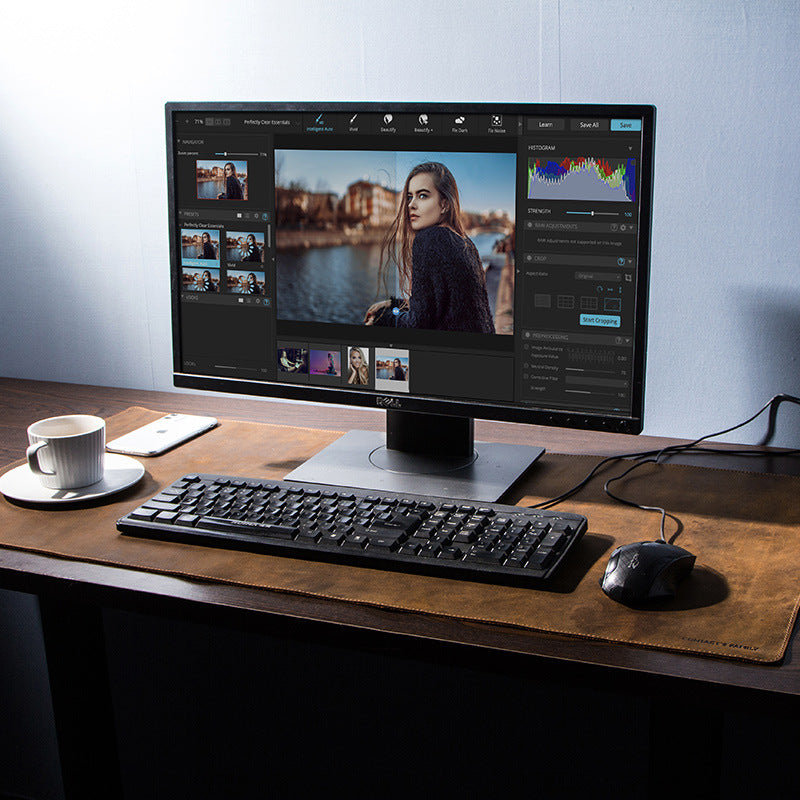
(22, 402)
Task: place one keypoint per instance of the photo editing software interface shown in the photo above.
(494, 256)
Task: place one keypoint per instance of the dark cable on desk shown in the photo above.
(619, 499)
(772, 405)
(656, 456)
(773, 415)
(553, 501)
(691, 447)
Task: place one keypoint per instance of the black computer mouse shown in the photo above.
(644, 571)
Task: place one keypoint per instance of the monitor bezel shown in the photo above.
(476, 409)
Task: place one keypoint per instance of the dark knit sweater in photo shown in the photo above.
(448, 291)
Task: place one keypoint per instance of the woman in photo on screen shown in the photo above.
(251, 286)
(441, 278)
(359, 372)
(287, 364)
(233, 189)
(207, 247)
(251, 249)
(206, 283)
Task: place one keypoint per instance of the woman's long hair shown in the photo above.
(396, 248)
(232, 175)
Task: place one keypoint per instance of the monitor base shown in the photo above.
(361, 459)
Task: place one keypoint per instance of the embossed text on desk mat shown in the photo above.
(740, 601)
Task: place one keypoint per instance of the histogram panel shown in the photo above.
(586, 178)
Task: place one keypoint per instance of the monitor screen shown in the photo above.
(461, 260)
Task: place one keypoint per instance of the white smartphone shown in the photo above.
(157, 437)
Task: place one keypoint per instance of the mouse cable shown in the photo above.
(662, 511)
(655, 456)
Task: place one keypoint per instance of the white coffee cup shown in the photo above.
(67, 452)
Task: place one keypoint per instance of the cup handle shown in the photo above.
(33, 458)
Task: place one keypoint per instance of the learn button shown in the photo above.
(626, 125)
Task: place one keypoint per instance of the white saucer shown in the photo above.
(120, 473)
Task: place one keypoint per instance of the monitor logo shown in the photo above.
(388, 402)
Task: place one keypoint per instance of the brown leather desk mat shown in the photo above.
(740, 601)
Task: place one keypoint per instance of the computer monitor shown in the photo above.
(443, 262)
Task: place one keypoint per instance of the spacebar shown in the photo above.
(243, 526)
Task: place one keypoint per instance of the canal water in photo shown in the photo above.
(338, 284)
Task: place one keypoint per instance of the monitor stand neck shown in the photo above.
(437, 435)
(420, 454)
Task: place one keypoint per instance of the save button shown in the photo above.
(626, 125)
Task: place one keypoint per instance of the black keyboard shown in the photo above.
(449, 538)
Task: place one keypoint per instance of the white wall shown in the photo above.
(83, 224)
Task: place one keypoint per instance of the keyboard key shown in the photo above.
(541, 559)
(486, 556)
(399, 523)
(356, 541)
(430, 550)
(554, 540)
(387, 543)
(160, 505)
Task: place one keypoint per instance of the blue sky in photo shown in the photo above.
(486, 181)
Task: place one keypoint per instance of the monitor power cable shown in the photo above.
(658, 456)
